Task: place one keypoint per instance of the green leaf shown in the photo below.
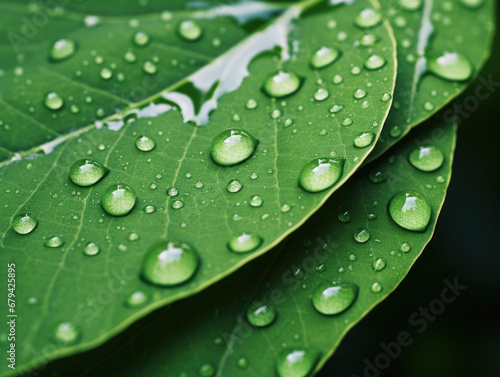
(433, 27)
(211, 328)
(100, 253)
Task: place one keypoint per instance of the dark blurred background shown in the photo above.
(465, 339)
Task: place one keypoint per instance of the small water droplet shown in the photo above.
(410, 210)
(207, 370)
(376, 176)
(361, 236)
(395, 131)
(260, 314)
(344, 216)
(378, 264)
(385, 97)
(337, 79)
(141, 39)
(169, 263)
(376, 287)
(359, 93)
(324, 56)
(136, 299)
(251, 104)
(232, 147)
(149, 209)
(189, 30)
(281, 84)
(87, 172)
(368, 40)
(66, 333)
(24, 223)
(242, 363)
(145, 143)
(364, 139)
(410, 5)
(321, 173)
(53, 101)
(178, 204)
(62, 49)
(149, 67)
(368, 18)
(334, 299)
(118, 200)
(234, 185)
(244, 243)
(450, 66)
(54, 242)
(91, 249)
(405, 247)
(130, 57)
(255, 201)
(426, 158)
(472, 4)
(198, 184)
(375, 62)
(106, 73)
(297, 362)
(321, 94)
(172, 192)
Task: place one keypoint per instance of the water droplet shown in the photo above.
(375, 62)
(368, 40)
(362, 236)
(234, 185)
(359, 93)
(428, 106)
(136, 299)
(251, 104)
(285, 208)
(410, 5)
(149, 209)
(118, 200)
(336, 108)
(54, 242)
(385, 97)
(87, 172)
(178, 204)
(337, 79)
(91, 249)
(297, 362)
(324, 56)
(347, 122)
(405, 247)
(334, 299)
(378, 264)
(260, 314)
(145, 143)
(426, 158)
(133, 237)
(376, 287)
(232, 147)
(281, 84)
(344, 216)
(368, 18)
(242, 363)
(53, 101)
(130, 57)
(255, 201)
(169, 263)
(149, 67)
(244, 243)
(62, 49)
(172, 192)
(66, 333)
(364, 139)
(207, 370)
(376, 176)
(24, 223)
(321, 173)
(106, 73)
(356, 70)
(141, 39)
(189, 30)
(321, 94)
(472, 4)
(450, 66)
(410, 210)
(395, 131)
(276, 113)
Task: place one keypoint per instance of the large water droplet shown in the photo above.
(472, 4)
(361, 236)
(368, 18)
(260, 314)
(118, 200)
(281, 84)
(106, 73)
(450, 66)
(232, 147)
(410, 210)
(333, 299)
(234, 185)
(297, 362)
(169, 263)
(54, 242)
(53, 101)
(24, 223)
(145, 143)
(62, 49)
(189, 30)
(364, 139)
(244, 243)
(321, 173)
(378, 264)
(66, 333)
(87, 172)
(255, 201)
(324, 56)
(91, 249)
(426, 158)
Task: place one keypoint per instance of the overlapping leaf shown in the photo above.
(63, 284)
(210, 331)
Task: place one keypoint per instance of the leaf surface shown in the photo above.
(56, 285)
(210, 331)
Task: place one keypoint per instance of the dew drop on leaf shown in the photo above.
(136, 299)
(172, 192)
(426, 158)
(189, 30)
(207, 370)
(376, 176)
(149, 209)
(54, 242)
(410, 210)
(359, 93)
(297, 362)
(333, 299)
(368, 40)
(361, 236)
(324, 56)
(321, 174)
(374, 62)
(53, 101)
(450, 66)
(410, 5)
(255, 201)
(118, 200)
(234, 185)
(141, 39)
(321, 94)
(66, 333)
(368, 18)
(178, 204)
(106, 73)
(86, 172)
(472, 4)
(378, 264)
(232, 147)
(149, 67)
(260, 314)
(405, 247)
(169, 263)
(364, 139)
(244, 243)
(281, 84)
(62, 49)
(344, 216)
(145, 143)
(376, 287)
(24, 223)
(91, 249)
